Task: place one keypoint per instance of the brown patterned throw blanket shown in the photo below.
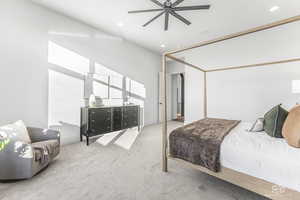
(200, 142)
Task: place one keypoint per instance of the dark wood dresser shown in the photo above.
(102, 120)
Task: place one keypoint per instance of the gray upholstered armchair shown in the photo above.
(19, 160)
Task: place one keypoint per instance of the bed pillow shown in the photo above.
(258, 126)
(291, 127)
(16, 130)
(274, 120)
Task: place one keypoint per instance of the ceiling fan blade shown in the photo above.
(192, 8)
(187, 22)
(143, 11)
(167, 21)
(157, 3)
(154, 18)
(176, 3)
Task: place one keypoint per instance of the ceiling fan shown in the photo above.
(169, 8)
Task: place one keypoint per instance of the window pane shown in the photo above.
(100, 90)
(115, 93)
(137, 102)
(138, 89)
(66, 58)
(128, 82)
(102, 78)
(116, 102)
(102, 70)
(65, 98)
(296, 86)
(116, 81)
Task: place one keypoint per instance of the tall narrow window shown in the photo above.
(137, 89)
(66, 84)
(67, 59)
(112, 84)
(100, 86)
(65, 98)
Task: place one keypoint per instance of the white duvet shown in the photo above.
(261, 156)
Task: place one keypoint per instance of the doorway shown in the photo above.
(177, 100)
(175, 92)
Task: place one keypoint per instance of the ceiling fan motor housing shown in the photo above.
(168, 4)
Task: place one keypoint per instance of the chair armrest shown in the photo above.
(16, 160)
(39, 134)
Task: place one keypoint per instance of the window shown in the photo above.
(100, 90)
(101, 86)
(65, 98)
(66, 84)
(135, 88)
(67, 59)
(108, 84)
(72, 79)
(296, 86)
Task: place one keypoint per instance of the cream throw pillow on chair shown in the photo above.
(17, 130)
(291, 127)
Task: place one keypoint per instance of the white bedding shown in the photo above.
(261, 156)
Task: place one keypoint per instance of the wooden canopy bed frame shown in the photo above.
(248, 182)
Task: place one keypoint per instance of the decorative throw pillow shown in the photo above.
(291, 127)
(258, 125)
(17, 130)
(274, 120)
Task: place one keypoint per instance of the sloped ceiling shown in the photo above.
(224, 17)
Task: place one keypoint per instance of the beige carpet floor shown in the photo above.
(121, 169)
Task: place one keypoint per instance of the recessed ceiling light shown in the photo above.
(120, 24)
(162, 46)
(274, 8)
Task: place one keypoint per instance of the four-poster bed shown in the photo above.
(251, 183)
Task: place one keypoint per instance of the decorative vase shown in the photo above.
(92, 101)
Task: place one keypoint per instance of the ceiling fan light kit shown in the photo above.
(169, 8)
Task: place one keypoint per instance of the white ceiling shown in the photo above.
(224, 17)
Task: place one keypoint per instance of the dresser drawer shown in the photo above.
(96, 113)
(99, 121)
(97, 129)
(117, 119)
(130, 116)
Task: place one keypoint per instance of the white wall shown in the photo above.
(248, 94)
(174, 67)
(24, 67)
(193, 95)
(245, 94)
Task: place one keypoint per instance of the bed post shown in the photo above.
(164, 116)
(205, 95)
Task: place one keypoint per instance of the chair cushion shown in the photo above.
(274, 120)
(45, 151)
(291, 127)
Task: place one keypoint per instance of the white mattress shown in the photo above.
(261, 156)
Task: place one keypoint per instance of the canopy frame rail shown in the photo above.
(170, 55)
